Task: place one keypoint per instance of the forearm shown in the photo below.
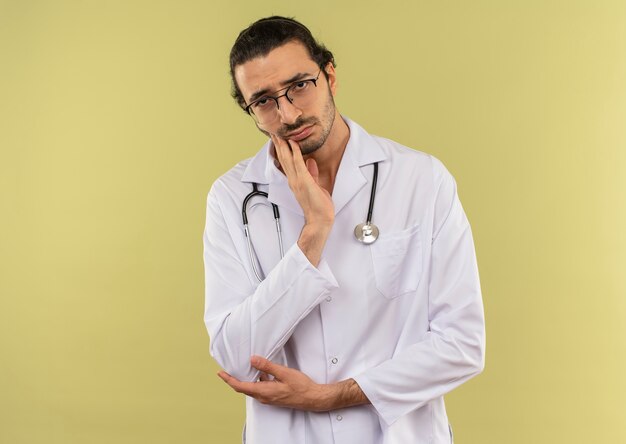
(422, 372)
(344, 394)
(312, 241)
(328, 397)
(262, 321)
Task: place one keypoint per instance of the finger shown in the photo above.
(247, 388)
(296, 154)
(279, 151)
(311, 166)
(284, 154)
(298, 161)
(267, 366)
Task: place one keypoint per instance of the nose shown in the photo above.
(287, 111)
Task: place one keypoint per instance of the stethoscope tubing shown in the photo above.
(255, 192)
(244, 216)
(370, 210)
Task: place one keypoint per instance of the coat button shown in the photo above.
(329, 298)
(334, 360)
(339, 417)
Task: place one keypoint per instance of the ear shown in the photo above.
(332, 78)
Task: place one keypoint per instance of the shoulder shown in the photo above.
(226, 194)
(230, 182)
(233, 175)
(237, 180)
(407, 160)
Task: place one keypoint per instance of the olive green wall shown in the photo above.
(115, 118)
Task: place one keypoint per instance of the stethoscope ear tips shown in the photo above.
(366, 233)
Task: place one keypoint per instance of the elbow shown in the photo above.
(467, 355)
(481, 351)
(478, 365)
(475, 357)
(473, 347)
(233, 363)
(230, 351)
(242, 373)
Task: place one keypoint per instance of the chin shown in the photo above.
(309, 147)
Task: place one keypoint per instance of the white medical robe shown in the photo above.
(402, 316)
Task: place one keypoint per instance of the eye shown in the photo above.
(300, 85)
(263, 102)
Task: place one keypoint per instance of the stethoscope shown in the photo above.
(365, 233)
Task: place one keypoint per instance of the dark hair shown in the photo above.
(266, 34)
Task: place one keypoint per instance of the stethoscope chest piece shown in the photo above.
(366, 233)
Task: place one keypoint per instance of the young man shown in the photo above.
(353, 334)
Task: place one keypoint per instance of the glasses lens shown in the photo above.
(264, 111)
(301, 94)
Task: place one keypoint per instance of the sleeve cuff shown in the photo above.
(323, 269)
(381, 407)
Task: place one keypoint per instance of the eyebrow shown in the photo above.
(285, 83)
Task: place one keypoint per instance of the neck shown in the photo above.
(328, 156)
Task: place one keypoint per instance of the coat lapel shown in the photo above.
(361, 150)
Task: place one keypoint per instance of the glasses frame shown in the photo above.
(286, 94)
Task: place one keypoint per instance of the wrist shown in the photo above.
(325, 399)
(312, 241)
(319, 218)
(343, 394)
(317, 229)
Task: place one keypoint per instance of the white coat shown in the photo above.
(402, 316)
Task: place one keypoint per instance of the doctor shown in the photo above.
(338, 339)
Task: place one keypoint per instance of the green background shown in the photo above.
(115, 119)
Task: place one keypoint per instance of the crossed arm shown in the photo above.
(279, 385)
(286, 387)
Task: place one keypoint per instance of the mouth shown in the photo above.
(300, 134)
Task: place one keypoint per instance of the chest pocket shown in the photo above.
(397, 260)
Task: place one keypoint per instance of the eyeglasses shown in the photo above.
(299, 94)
